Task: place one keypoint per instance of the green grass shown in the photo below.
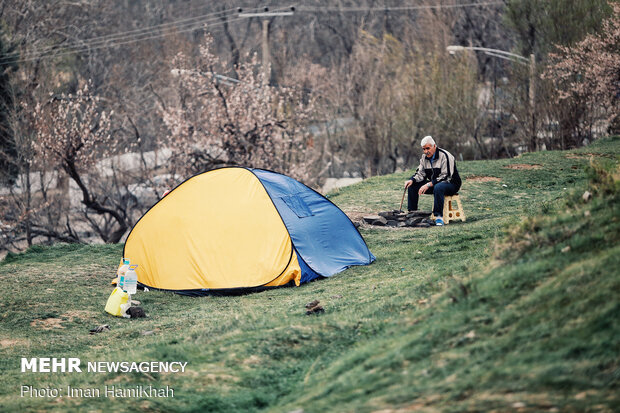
(516, 309)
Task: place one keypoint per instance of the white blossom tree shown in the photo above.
(221, 121)
(586, 77)
(72, 133)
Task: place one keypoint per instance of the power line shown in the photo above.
(118, 39)
(395, 8)
(111, 40)
(190, 24)
(121, 43)
(134, 32)
(192, 10)
(124, 38)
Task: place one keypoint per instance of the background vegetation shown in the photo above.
(349, 90)
(514, 310)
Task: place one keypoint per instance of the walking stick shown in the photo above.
(401, 201)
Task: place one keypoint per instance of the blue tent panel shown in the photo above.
(322, 234)
(307, 273)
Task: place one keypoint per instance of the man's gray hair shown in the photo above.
(428, 140)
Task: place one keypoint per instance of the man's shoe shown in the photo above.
(439, 222)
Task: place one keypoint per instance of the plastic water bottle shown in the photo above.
(122, 270)
(131, 280)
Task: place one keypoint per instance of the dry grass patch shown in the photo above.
(47, 323)
(483, 179)
(580, 155)
(357, 216)
(522, 166)
(81, 315)
(252, 360)
(521, 401)
(10, 343)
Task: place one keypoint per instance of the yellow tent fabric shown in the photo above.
(190, 239)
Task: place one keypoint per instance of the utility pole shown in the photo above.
(266, 54)
(532, 98)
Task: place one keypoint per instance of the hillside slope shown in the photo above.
(539, 329)
(516, 309)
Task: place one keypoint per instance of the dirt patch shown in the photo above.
(535, 401)
(523, 166)
(483, 179)
(9, 343)
(80, 314)
(47, 323)
(55, 322)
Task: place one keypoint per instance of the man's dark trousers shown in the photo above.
(439, 191)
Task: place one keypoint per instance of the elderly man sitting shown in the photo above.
(436, 175)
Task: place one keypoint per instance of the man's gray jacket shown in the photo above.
(440, 168)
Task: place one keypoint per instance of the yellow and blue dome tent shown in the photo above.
(242, 229)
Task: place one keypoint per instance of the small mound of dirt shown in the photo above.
(47, 323)
(523, 166)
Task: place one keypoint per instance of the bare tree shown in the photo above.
(397, 92)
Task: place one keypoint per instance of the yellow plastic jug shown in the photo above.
(118, 297)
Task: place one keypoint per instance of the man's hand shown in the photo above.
(408, 183)
(424, 188)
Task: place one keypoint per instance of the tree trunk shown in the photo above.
(94, 205)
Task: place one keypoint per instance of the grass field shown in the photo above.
(517, 309)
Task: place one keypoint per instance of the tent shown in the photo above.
(238, 229)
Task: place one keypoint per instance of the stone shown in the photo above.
(312, 303)
(422, 225)
(393, 215)
(418, 213)
(315, 310)
(413, 220)
(399, 219)
(370, 218)
(380, 222)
